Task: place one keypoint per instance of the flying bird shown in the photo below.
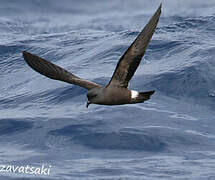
(116, 92)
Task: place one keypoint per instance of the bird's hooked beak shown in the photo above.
(88, 103)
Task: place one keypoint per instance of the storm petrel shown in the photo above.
(116, 92)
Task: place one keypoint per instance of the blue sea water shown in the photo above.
(45, 122)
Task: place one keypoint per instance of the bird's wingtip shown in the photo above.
(25, 53)
(159, 8)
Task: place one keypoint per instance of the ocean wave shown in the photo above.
(86, 135)
(49, 117)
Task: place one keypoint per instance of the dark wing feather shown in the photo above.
(130, 60)
(53, 71)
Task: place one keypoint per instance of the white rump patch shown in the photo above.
(134, 94)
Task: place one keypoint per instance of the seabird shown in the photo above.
(116, 92)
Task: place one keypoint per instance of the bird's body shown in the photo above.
(116, 92)
(116, 96)
(110, 96)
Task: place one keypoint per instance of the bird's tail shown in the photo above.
(144, 96)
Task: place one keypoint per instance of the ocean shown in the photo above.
(45, 123)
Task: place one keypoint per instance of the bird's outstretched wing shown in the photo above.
(130, 60)
(53, 71)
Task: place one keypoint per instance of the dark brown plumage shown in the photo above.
(116, 92)
(53, 71)
(130, 60)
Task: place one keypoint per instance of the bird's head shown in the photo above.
(94, 96)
